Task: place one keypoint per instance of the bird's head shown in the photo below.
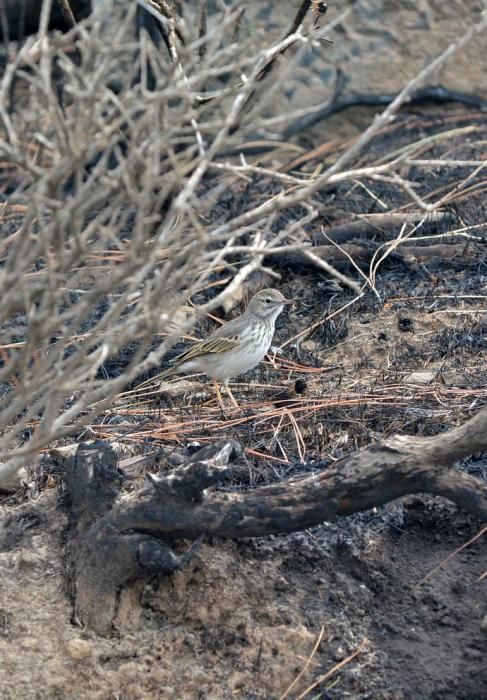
(267, 304)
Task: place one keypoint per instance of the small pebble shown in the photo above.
(29, 643)
(474, 654)
(281, 584)
(421, 377)
(78, 649)
(132, 691)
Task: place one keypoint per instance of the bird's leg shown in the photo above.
(219, 396)
(229, 392)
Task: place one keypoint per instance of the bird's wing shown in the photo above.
(208, 347)
(222, 339)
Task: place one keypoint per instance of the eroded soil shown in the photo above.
(244, 617)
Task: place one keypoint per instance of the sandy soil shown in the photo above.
(244, 617)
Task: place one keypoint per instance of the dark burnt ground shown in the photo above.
(244, 618)
(409, 358)
(413, 362)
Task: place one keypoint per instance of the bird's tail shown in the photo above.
(157, 379)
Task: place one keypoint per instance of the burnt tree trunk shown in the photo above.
(113, 543)
(19, 18)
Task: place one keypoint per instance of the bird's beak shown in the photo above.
(288, 302)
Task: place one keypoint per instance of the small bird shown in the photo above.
(236, 347)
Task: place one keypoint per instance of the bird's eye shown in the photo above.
(268, 300)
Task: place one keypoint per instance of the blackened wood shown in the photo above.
(361, 253)
(135, 538)
(368, 478)
(380, 226)
(22, 16)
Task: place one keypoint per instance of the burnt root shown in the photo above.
(114, 541)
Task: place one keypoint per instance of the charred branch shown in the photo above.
(430, 94)
(21, 17)
(362, 253)
(135, 539)
(380, 225)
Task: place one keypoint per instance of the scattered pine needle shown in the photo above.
(300, 444)
(450, 556)
(268, 458)
(306, 665)
(360, 649)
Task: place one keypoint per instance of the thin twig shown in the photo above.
(450, 556)
(306, 665)
(360, 649)
(67, 13)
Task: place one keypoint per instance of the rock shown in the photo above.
(11, 476)
(30, 559)
(422, 377)
(132, 691)
(129, 669)
(473, 654)
(281, 584)
(28, 643)
(78, 649)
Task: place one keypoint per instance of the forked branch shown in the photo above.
(134, 539)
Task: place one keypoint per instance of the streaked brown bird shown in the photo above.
(236, 347)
